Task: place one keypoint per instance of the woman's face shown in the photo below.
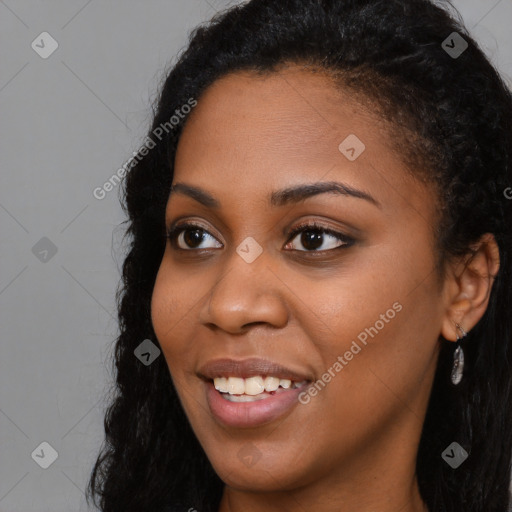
(352, 305)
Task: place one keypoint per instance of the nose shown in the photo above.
(245, 294)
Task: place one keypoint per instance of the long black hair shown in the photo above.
(454, 114)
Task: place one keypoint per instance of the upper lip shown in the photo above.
(245, 368)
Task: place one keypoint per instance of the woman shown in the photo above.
(321, 243)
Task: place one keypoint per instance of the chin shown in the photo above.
(273, 475)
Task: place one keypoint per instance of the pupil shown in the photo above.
(311, 240)
(193, 237)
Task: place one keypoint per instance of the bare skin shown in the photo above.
(353, 446)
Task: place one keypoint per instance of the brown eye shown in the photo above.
(191, 236)
(316, 238)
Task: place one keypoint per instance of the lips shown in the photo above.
(242, 410)
(250, 368)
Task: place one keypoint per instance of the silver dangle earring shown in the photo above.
(458, 357)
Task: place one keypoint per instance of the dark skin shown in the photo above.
(353, 447)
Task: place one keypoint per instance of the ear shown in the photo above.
(468, 286)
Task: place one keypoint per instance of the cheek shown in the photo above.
(163, 305)
(169, 309)
(383, 321)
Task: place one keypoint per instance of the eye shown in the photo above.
(314, 238)
(190, 236)
(317, 238)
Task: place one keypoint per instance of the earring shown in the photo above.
(458, 358)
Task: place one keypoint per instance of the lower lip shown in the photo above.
(250, 414)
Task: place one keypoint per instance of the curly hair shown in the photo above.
(454, 117)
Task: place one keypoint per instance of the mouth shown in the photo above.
(236, 389)
(251, 392)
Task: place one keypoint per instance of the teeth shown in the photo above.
(244, 398)
(221, 384)
(285, 383)
(271, 383)
(252, 386)
(236, 386)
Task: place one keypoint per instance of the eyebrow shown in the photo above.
(281, 197)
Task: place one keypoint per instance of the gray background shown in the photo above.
(68, 123)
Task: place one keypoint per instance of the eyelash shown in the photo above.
(175, 231)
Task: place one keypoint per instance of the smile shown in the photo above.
(251, 392)
(236, 389)
(244, 410)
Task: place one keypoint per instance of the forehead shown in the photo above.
(293, 114)
(253, 134)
